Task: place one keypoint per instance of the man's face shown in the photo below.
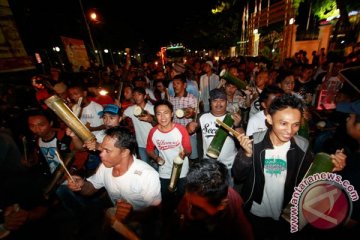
(353, 127)
(199, 208)
(40, 126)
(262, 79)
(163, 115)
(234, 71)
(109, 154)
(75, 94)
(306, 73)
(241, 75)
(230, 89)
(141, 84)
(288, 84)
(128, 94)
(160, 86)
(218, 107)
(207, 68)
(179, 86)
(111, 120)
(285, 124)
(160, 76)
(138, 97)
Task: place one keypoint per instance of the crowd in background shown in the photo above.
(179, 104)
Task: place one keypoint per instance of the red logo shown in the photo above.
(325, 205)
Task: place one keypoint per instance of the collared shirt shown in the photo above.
(187, 101)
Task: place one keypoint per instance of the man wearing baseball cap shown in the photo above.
(111, 117)
(207, 124)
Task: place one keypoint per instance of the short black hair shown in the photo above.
(208, 178)
(139, 90)
(124, 138)
(163, 102)
(271, 89)
(282, 75)
(50, 116)
(181, 77)
(286, 101)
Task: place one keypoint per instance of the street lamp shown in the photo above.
(88, 30)
(93, 16)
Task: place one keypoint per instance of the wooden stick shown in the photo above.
(197, 106)
(224, 125)
(120, 91)
(64, 166)
(25, 148)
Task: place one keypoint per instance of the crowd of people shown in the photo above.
(160, 166)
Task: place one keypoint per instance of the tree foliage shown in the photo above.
(220, 28)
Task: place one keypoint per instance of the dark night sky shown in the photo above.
(123, 23)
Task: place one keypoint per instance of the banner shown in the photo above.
(76, 53)
(13, 56)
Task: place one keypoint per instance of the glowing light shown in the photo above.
(256, 31)
(93, 16)
(38, 58)
(292, 21)
(103, 92)
(106, 50)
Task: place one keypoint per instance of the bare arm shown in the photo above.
(156, 158)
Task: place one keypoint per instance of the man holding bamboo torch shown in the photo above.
(173, 144)
(132, 185)
(271, 164)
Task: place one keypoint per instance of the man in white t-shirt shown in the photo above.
(111, 117)
(257, 122)
(209, 127)
(132, 185)
(89, 110)
(143, 123)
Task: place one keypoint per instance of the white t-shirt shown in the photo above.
(275, 170)
(139, 186)
(257, 123)
(100, 136)
(48, 150)
(142, 128)
(150, 93)
(208, 130)
(90, 114)
(169, 144)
